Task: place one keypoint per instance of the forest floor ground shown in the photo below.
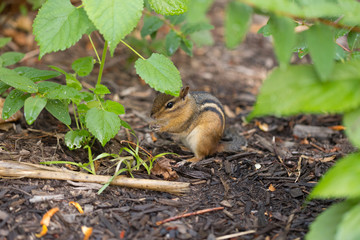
(263, 189)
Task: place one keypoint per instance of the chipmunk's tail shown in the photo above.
(232, 141)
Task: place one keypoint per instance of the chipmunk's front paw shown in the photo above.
(155, 127)
(182, 163)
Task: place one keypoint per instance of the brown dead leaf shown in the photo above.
(272, 188)
(228, 112)
(6, 126)
(77, 205)
(43, 232)
(337, 128)
(24, 23)
(262, 126)
(45, 221)
(46, 218)
(163, 168)
(87, 231)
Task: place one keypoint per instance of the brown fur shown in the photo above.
(199, 130)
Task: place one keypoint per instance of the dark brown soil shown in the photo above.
(263, 188)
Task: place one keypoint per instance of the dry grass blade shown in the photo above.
(28, 170)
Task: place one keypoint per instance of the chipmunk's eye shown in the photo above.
(169, 104)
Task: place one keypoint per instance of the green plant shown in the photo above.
(132, 162)
(330, 85)
(58, 26)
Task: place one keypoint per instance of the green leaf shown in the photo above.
(237, 23)
(114, 18)
(13, 102)
(353, 40)
(59, 25)
(32, 108)
(282, 29)
(3, 87)
(114, 107)
(76, 139)
(176, 19)
(160, 73)
(172, 42)
(355, 55)
(151, 25)
(349, 227)
(101, 89)
(64, 92)
(45, 87)
(341, 181)
(190, 28)
(341, 54)
(12, 78)
(36, 75)
(125, 124)
(321, 44)
(301, 46)
(186, 45)
(59, 109)
(265, 30)
(298, 89)
(352, 126)
(58, 69)
(71, 79)
(83, 66)
(4, 41)
(10, 58)
(102, 124)
(326, 224)
(339, 32)
(198, 10)
(169, 7)
(202, 38)
(302, 9)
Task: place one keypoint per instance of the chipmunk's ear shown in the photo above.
(184, 92)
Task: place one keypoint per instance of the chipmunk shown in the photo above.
(197, 119)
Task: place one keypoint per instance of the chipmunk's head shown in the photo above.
(167, 110)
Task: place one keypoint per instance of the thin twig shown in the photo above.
(189, 214)
(28, 170)
(234, 235)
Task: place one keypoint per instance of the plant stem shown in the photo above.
(76, 120)
(69, 127)
(91, 162)
(92, 44)
(132, 49)
(102, 62)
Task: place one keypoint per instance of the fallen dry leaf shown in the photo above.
(163, 168)
(337, 127)
(122, 234)
(262, 126)
(87, 231)
(272, 188)
(45, 221)
(229, 113)
(77, 205)
(46, 218)
(43, 232)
